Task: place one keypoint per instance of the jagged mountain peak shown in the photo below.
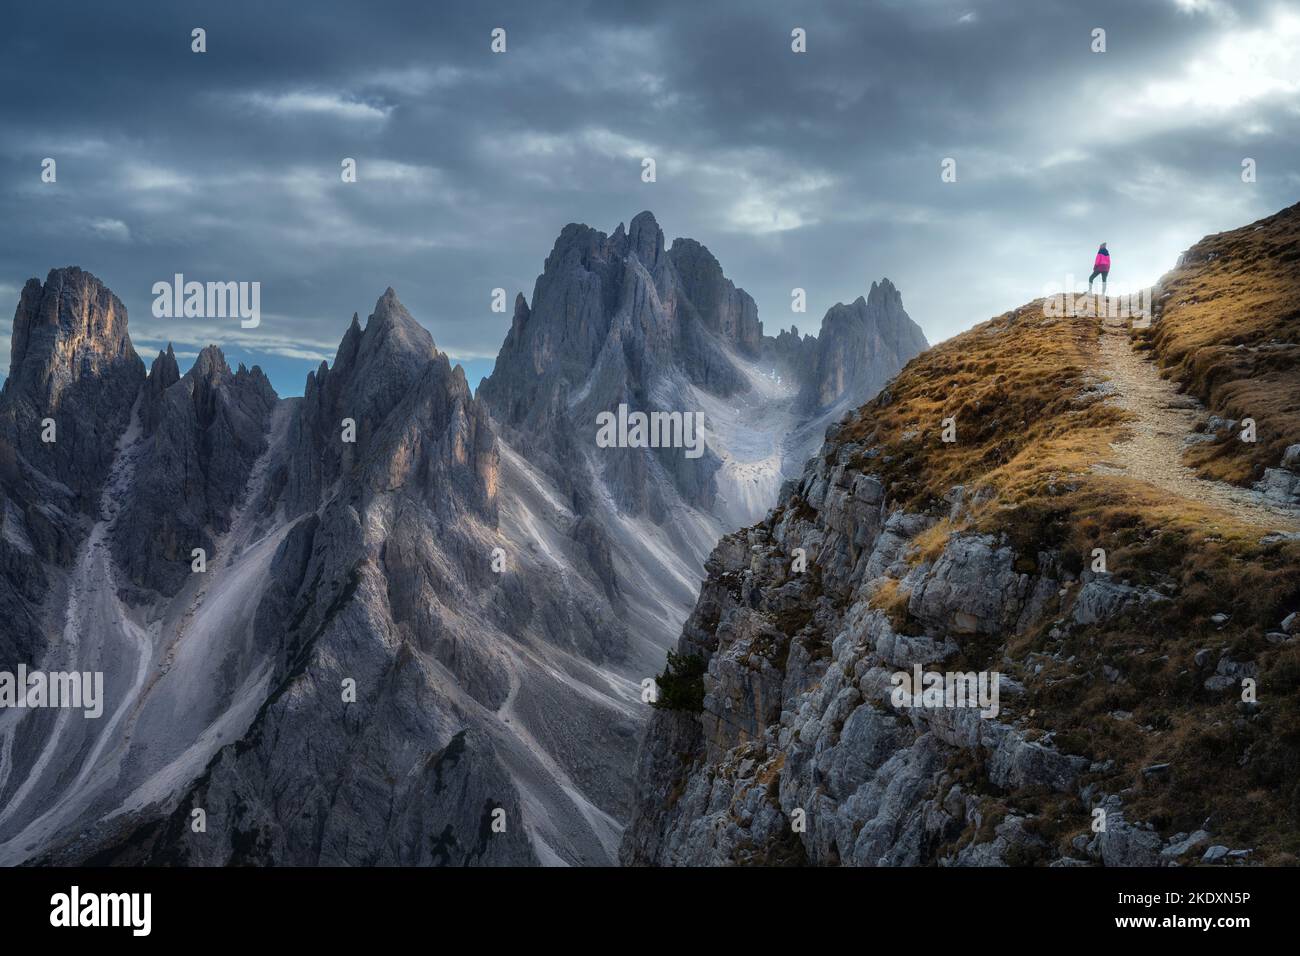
(212, 370)
(438, 443)
(868, 340)
(521, 315)
(582, 246)
(720, 306)
(389, 305)
(620, 319)
(72, 362)
(390, 325)
(585, 278)
(376, 371)
(856, 312)
(881, 297)
(392, 347)
(165, 370)
(577, 245)
(645, 239)
(210, 365)
(359, 528)
(69, 325)
(884, 295)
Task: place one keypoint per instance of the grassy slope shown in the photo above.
(1229, 332)
(1029, 426)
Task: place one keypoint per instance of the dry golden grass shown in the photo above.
(1016, 386)
(1229, 332)
(929, 544)
(891, 599)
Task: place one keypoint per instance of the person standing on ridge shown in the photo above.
(1100, 267)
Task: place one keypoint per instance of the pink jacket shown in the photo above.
(1102, 263)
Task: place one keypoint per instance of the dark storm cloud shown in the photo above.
(818, 170)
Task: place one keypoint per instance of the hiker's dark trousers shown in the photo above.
(1098, 272)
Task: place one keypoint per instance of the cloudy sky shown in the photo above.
(818, 170)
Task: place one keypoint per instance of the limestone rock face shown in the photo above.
(611, 323)
(438, 439)
(201, 435)
(798, 721)
(722, 308)
(374, 370)
(73, 377)
(71, 360)
(794, 352)
(861, 346)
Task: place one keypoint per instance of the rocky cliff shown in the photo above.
(971, 520)
(200, 435)
(71, 361)
(73, 380)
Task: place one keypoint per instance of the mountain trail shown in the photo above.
(1163, 419)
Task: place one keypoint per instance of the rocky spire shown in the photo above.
(402, 396)
(645, 239)
(72, 363)
(725, 310)
(165, 371)
(202, 434)
(860, 347)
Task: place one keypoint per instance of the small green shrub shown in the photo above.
(681, 685)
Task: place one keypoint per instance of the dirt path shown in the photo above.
(1153, 452)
